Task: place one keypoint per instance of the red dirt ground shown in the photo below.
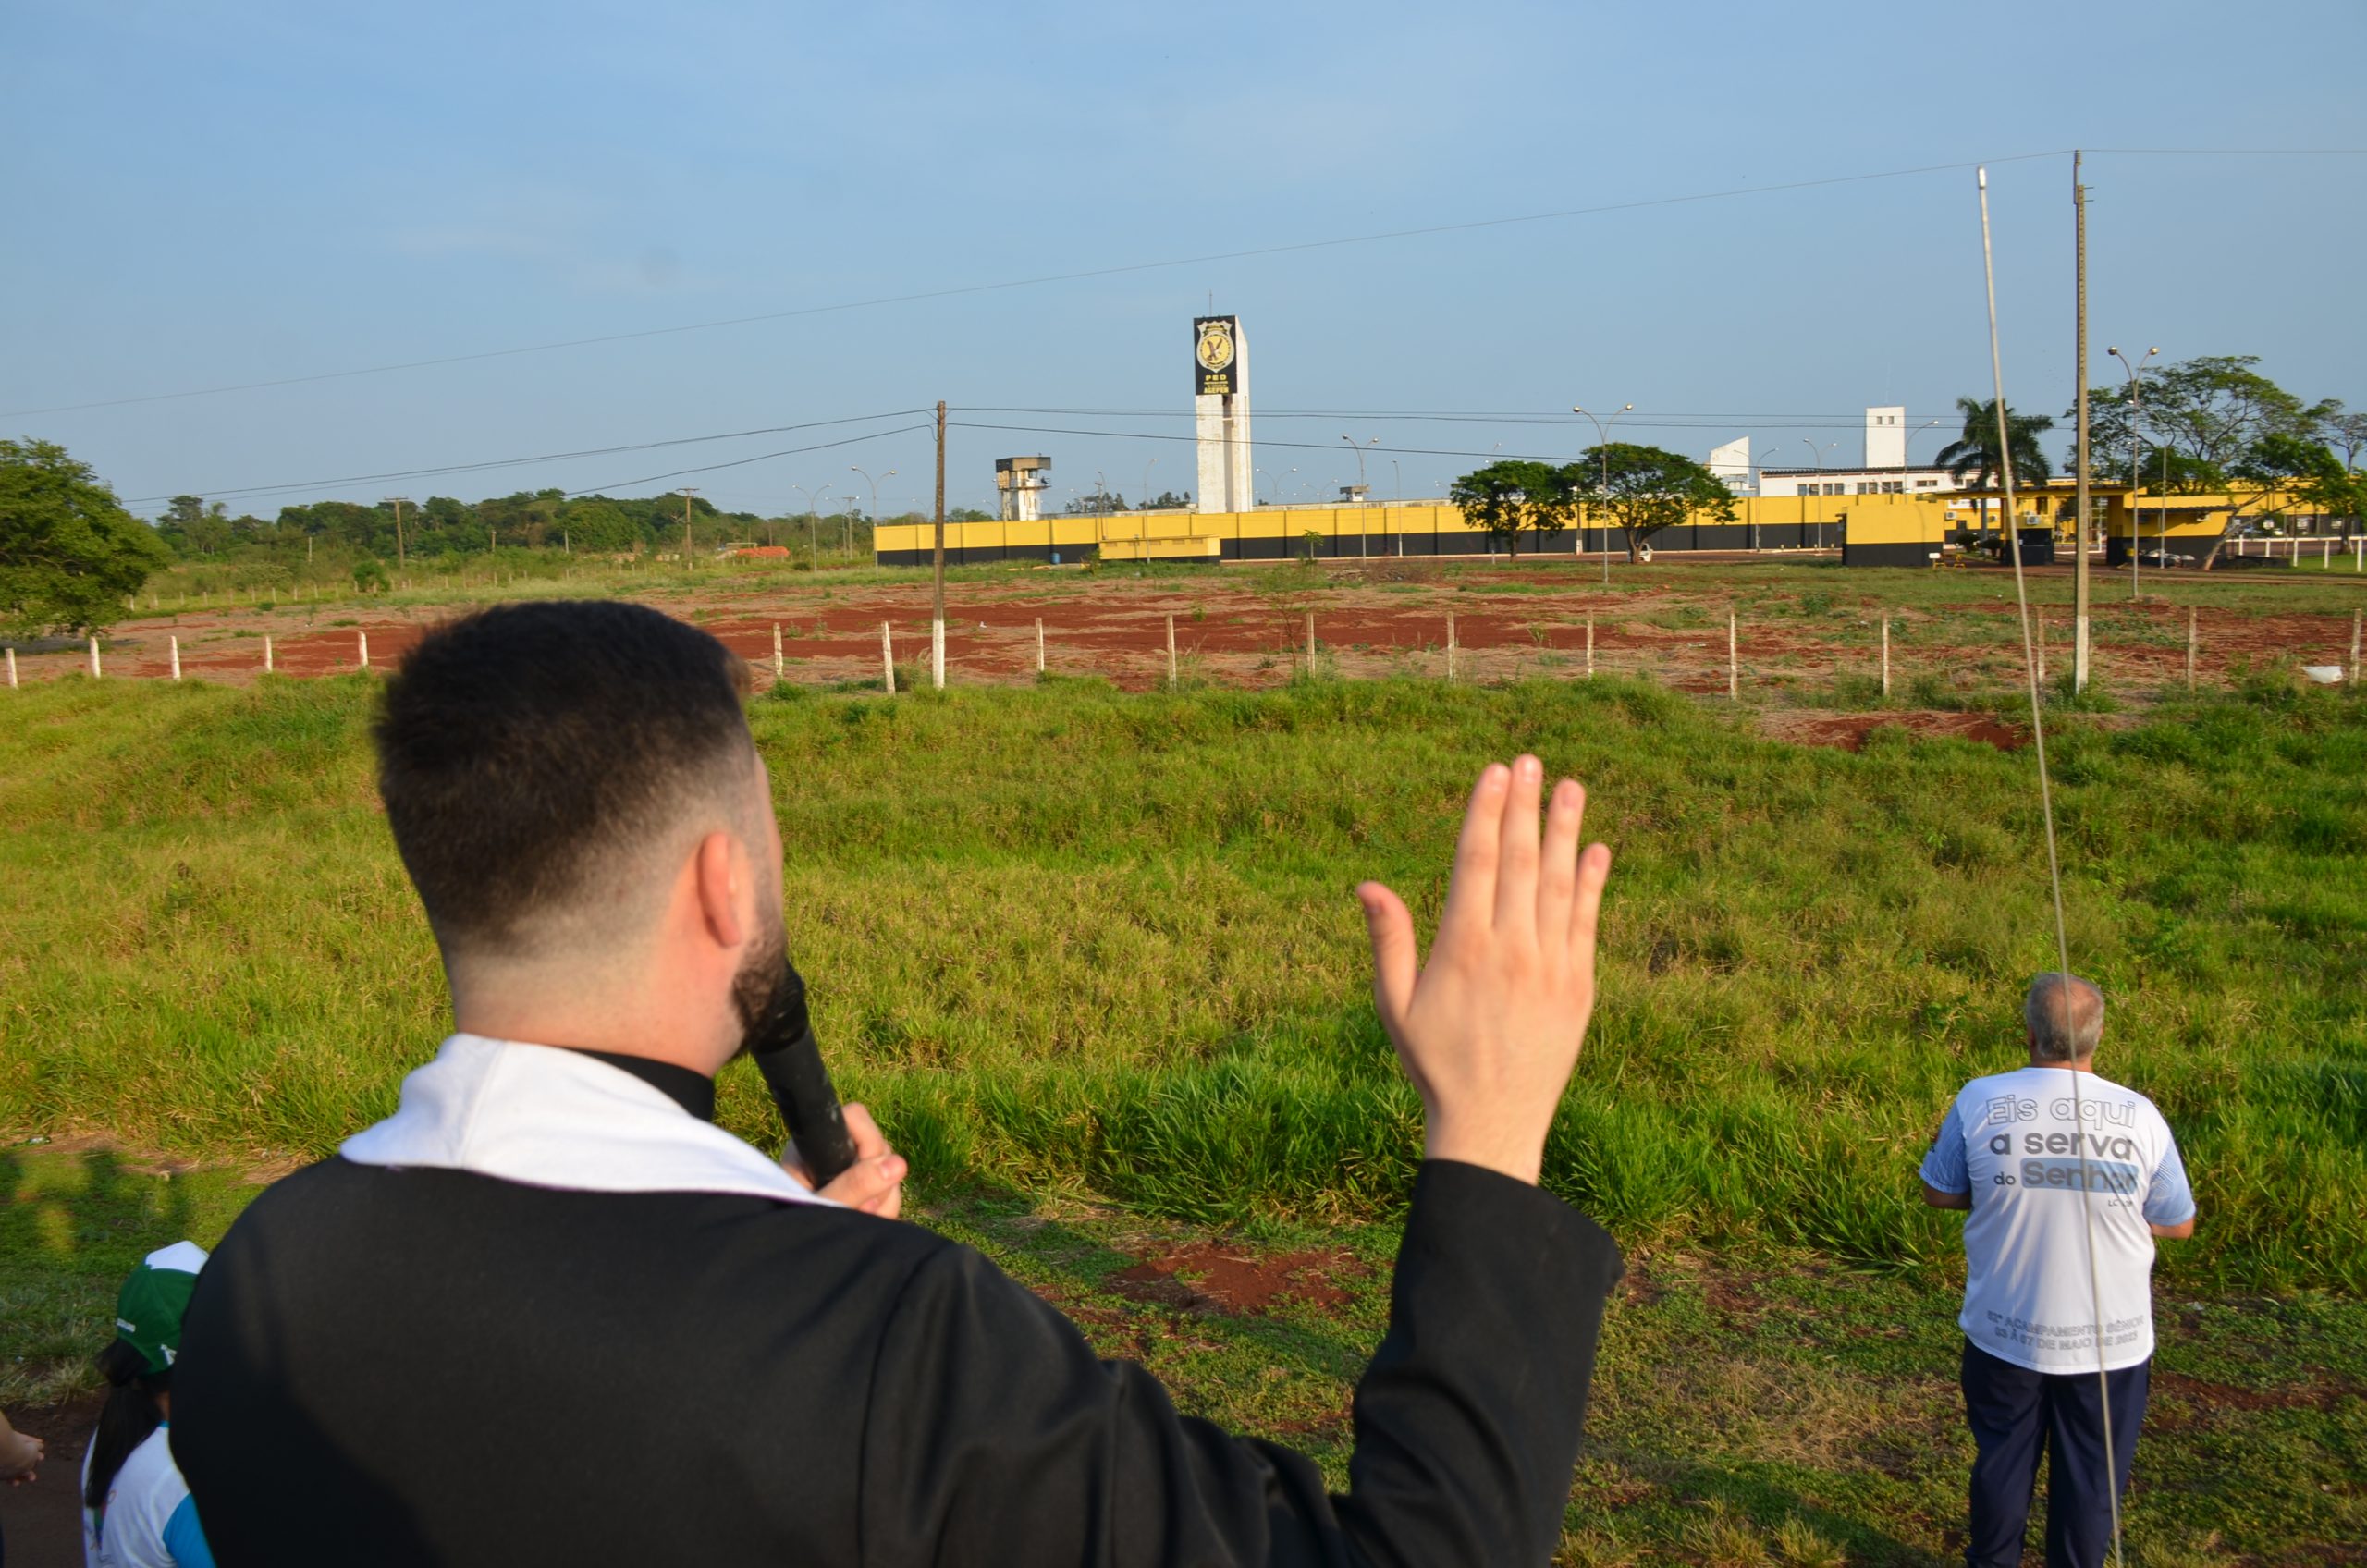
(1209, 1277)
(1806, 727)
(1250, 629)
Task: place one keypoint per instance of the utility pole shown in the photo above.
(399, 502)
(937, 603)
(688, 491)
(2079, 463)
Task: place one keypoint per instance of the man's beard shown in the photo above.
(765, 975)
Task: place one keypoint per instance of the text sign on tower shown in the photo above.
(1212, 355)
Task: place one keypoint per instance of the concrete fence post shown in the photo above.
(175, 645)
(266, 654)
(1734, 669)
(12, 669)
(888, 657)
(1450, 647)
(777, 661)
(1039, 644)
(1589, 647)
(361, 650)
(1886, 658)
(94, 659)
(2353, 671)
(2191, 640)
(1171, 674)
(1310, 645)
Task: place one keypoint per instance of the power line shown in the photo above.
(1284, 446)
(1078, 276)
(742, 462)
(250, 491)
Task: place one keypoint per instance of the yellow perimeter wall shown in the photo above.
(1780, 522)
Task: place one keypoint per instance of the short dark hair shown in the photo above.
(522, 748)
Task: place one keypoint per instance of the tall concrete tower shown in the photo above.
(1221, 401)
(1886, 437)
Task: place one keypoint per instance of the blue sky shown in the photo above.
(208, 195)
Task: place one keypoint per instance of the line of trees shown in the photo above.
(2215, 423)
(1639, 490)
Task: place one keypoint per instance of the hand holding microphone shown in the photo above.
(838, 1151)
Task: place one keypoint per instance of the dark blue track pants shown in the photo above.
(2016, 1416)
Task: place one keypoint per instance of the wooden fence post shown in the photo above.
(888, 656)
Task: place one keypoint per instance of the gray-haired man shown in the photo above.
(2068, 1178)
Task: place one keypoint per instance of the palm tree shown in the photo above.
(1975, 451)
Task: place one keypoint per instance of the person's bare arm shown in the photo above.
(20, 1456)
(2176, 1232)
(1490, 1028)
(1935, 1198)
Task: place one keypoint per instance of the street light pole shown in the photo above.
(1602, 445)
(2135, 412)
(1818, 453)
(890, 473)
(1359, 451)
(812, 520)
(1762, 495)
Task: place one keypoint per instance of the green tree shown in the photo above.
(596, 525)
(69, 553)
(1972, 459)
(2320, 482)
(2212, 413)
(1645, 489)
(1510, 494)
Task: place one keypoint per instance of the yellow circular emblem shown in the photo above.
(1216, 347)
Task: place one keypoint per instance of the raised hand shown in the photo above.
(1490, 1028)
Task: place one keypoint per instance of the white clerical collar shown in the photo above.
(549, 1118)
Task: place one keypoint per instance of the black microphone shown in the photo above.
(787, 1054)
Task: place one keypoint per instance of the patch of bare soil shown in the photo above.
(1209, 1278)
(1848, 730)
(45, 1516)
(2187, 1401)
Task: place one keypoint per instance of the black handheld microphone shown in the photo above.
(786, 1053)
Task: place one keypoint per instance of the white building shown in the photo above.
(1885, 471)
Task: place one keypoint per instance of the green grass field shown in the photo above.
(1093, 959)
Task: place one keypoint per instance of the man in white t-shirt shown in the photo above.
(2068, 1178)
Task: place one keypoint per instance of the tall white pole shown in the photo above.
(176, 643)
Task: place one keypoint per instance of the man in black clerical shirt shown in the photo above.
(548, 1312)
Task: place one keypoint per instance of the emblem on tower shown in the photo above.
(1212, 355)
